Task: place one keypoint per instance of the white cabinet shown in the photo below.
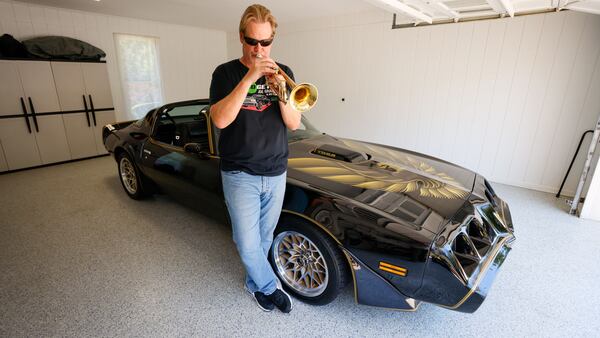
(95, 76)
(11, 90)
(80, 135)
(86, 140)
(60, 100)
(3, 164)
(70, 87)
(84, 87)
(81, 85)
(28, 136)
(27, 82)
(51, 139)
(20, 147)
(38, 85)
(30, 146)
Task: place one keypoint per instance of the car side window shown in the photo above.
(182, 125)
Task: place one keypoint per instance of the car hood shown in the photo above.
(382, 177)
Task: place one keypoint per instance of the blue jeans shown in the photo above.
(254, 204)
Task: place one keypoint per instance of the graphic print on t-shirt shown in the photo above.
(259, 97)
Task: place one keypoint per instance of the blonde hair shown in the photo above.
(258, 13)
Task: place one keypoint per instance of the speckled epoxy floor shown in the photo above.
(79, 258)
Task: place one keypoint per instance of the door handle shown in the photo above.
(93, 110)
(33, 114)
(24, 109)
(87, 116)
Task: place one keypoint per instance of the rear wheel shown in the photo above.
(131, 178)
(307, 261)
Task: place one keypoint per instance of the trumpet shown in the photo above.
(303, 96)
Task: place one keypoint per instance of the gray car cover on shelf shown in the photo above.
(62, 47)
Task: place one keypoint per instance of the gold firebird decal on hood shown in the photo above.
(382, 176)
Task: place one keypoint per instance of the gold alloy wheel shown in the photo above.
(128, 176)
(300, 263)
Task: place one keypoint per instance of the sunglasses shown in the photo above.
(254, 42)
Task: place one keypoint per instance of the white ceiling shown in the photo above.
(224, 14)
(214, 14)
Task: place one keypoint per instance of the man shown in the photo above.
(254, 150)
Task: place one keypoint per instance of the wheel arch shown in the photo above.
(118, 151)
(297, 215)
(125, 148)
(320, 227)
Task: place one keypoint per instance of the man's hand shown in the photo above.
(277, 84)
(277, 78)
(262, 66)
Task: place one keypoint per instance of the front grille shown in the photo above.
(472, 242)
(465, 253)
(480, 235)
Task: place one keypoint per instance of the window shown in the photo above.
(181, 125)
(140, 73)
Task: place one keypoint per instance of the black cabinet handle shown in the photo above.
(33, 114)
(87, 116)
(25, 115)
(93, 110)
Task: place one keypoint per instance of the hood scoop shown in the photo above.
(339, 153)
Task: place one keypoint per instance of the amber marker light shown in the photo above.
(396, 270)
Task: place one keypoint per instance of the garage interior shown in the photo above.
(503, 88)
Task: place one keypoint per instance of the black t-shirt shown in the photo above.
(256, 141)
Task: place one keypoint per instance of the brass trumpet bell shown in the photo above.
(303, 96)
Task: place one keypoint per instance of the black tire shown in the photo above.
(131, 178)
(336, 269)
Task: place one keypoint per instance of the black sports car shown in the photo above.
(404, 227)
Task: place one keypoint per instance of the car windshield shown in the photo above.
(306, 130)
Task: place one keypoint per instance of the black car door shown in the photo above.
(191, 177)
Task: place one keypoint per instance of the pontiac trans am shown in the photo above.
(402, 227)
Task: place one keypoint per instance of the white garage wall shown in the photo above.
(187, 54)
(507, 98)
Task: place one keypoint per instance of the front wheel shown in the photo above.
(307, 261)
(131, 178)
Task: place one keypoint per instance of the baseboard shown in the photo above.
(538, 187)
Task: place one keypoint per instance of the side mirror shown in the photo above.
(196, 148)
(138, 136)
